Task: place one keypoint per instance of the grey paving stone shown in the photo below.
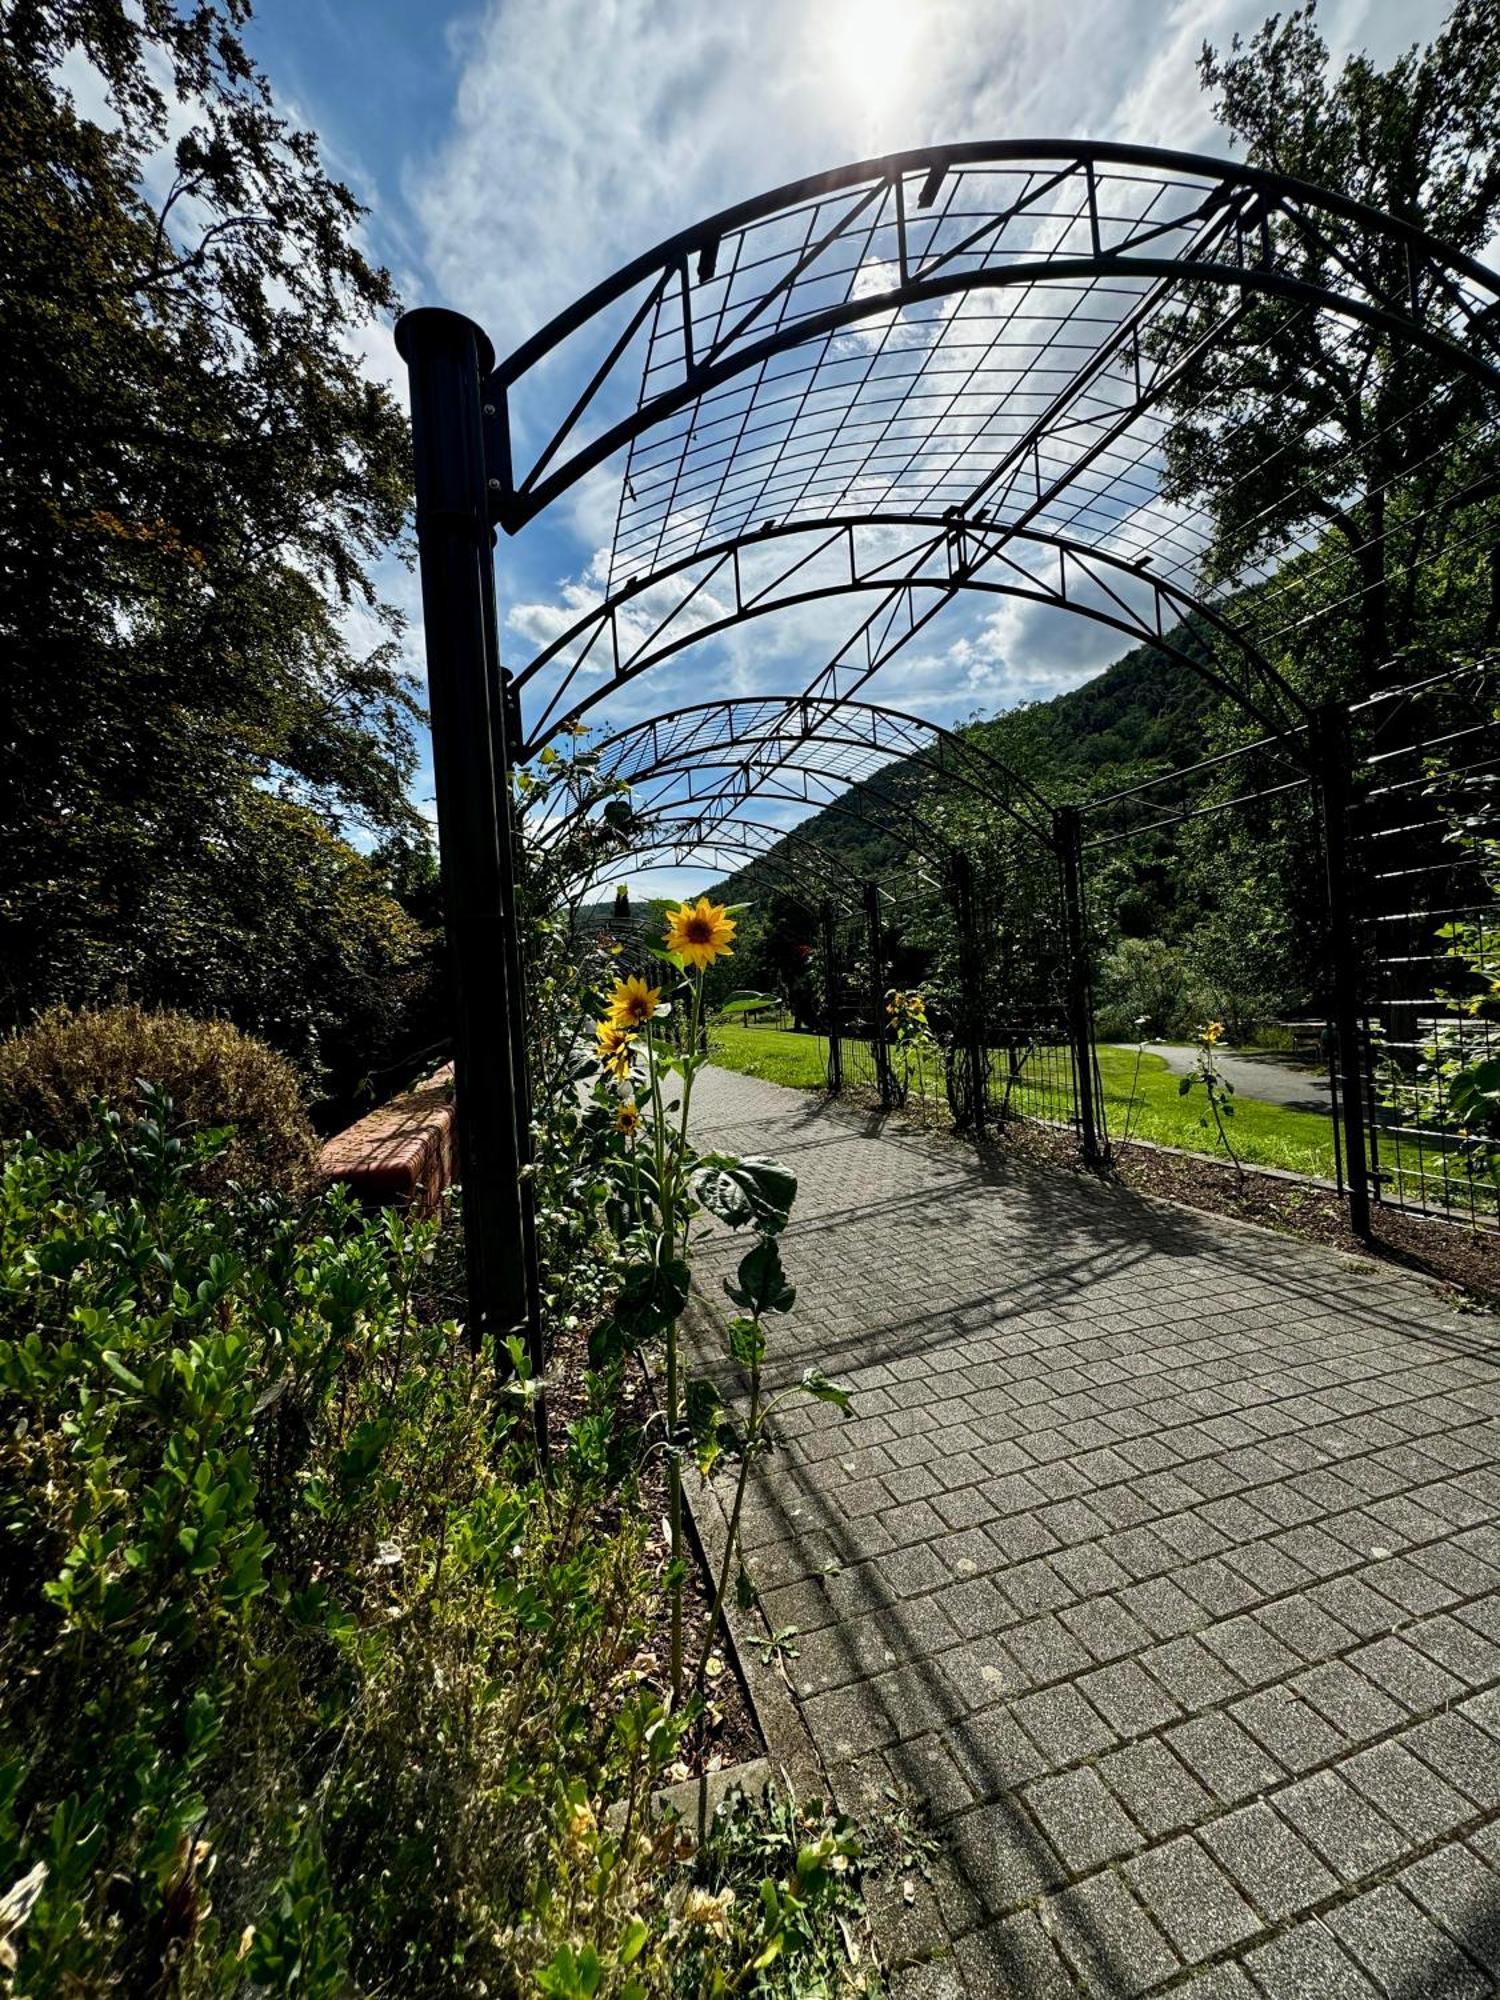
(1466, 1652)
(1229, 1762)
(1081, 1819)
(1411, 1796)
(1128, 1699)
(1290, 1728)
(1356, 1709)
(1034, 1587)
(926, 1767)
(1308, 1964)
(1304, 1628)
(1002, 1858)
(1192, 1899)
(973, 1606)
(1045, 1650)
(1107, 1937)
(1418, 1683)
(938, 1979)
(994, 1752)
(1459, 1752)
(1106, 1629)
(1062, 1725)
(1089, 1569)
(1463, 1894)
(1163, 1607)
(983, 1670)
(1158, 1792)
(1271, 1864)
(1166, 1464)
(1014, 1957)
(1402, 1950)
(1219, 1982)
(1190, 1673)
(1352, 1837)
(1354, 1604)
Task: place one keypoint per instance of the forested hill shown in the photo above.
(1147, 710)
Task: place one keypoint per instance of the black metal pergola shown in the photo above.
(946, 373)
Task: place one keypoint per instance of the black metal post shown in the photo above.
(1335, 774)
(506, 728)
(971, 991)
(831, 1000)
(447, 357)
(1067, 825)
(878, 1049)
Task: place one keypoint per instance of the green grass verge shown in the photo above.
(1263, 1134)
(777, 1054)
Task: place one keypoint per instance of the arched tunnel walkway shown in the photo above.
(1160, 1557)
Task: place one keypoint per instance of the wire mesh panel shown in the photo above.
(1028, 1063)
(1424, 816)
(1205, 892)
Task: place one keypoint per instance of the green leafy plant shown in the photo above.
(915, 1046)
(664, 1184)
(1217, 1089)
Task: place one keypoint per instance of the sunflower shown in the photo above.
(700, 933)
(610, 1038)
(628, 1118)
(633, 1003)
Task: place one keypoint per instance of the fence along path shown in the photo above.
(1161, 1558)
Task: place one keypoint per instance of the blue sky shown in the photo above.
(514, 152)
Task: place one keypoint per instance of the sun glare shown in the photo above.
(869, 46)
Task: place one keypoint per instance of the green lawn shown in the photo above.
(1263, 1134)
(777, 1054)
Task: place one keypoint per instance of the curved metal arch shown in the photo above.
(701, 735)
(694, 828)
(963, 549)
(757, 840)
(905, 822)
(1233, 203)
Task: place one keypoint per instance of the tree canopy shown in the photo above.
(206, 694)
(1307, 421)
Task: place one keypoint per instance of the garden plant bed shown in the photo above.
(732, 1734)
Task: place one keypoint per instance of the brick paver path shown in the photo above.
(1162, 1558)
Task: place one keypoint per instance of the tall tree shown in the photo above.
(1309, 421)
(198, 476)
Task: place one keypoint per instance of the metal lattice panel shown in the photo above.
(954, 372)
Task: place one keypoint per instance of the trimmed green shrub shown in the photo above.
(55, 1073)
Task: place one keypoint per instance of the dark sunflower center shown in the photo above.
(699, 930)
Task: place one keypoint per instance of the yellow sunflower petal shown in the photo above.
(700, 932)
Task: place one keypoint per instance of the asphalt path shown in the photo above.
(1270, 1078)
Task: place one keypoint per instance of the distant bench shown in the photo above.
(1308, 1037)
(404, 1154)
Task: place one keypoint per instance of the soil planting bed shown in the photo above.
(730, 1733)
